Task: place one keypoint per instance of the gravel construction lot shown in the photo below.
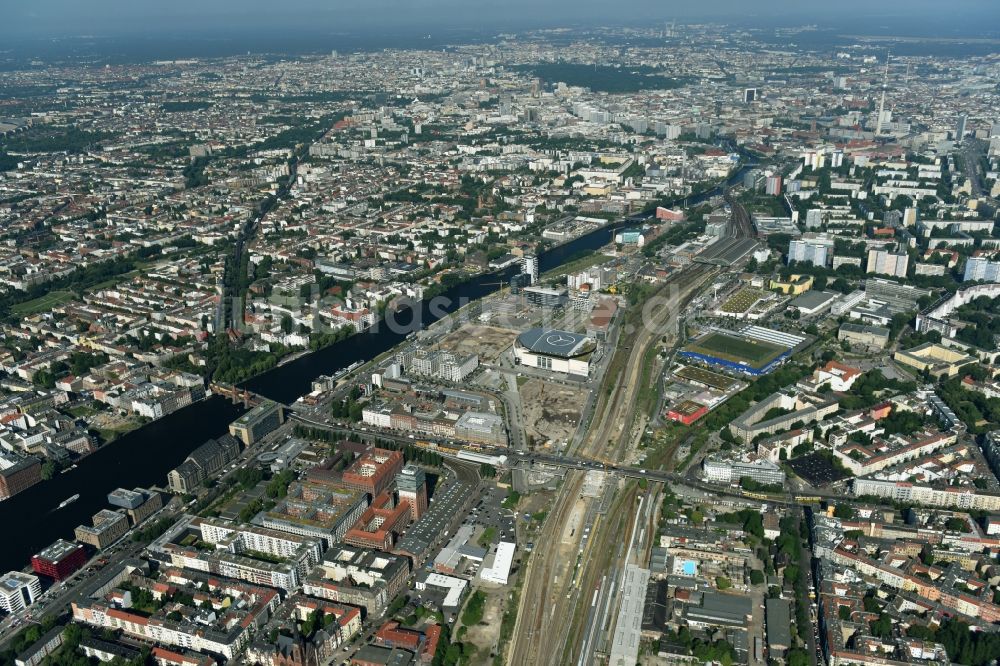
(486, 341)
(551, 411)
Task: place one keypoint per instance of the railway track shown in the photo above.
(549, 604)
(548, 597)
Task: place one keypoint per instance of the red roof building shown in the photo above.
(60, 560)
(374, 471)
(687, 412)
(379, 524)
(392, 635)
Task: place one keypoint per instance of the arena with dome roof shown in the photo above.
(556, 350)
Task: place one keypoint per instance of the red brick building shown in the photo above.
(380, 524)
(20, 476)
(374, 471)
(391, 635)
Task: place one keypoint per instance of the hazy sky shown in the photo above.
(32, 18)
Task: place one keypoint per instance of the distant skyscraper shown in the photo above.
(960, 128)
(530, 267)
(749, 95)
(884, 117)
(773, 186)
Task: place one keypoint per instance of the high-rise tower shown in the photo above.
(883, 120)
(412, 486)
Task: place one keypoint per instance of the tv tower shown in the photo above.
(881, 105)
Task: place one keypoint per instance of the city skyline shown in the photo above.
(529, 333)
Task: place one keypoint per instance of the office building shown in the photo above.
(380, 525)
(258, 422)
(724, 471)
(960, 127)
(443, 516)
(543, 297)
(203, 462)
(109, 526)
(17, 474)
(519, 282)
(978, 269)
(18, 590)
(749, 95)
(481, 428)
(126, 499)
(140, 504)
(60, 560)
(322, 511)
(411, 485)
(374, 471)
(883, 262)
(530, 268)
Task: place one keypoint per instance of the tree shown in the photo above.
(843, 511)
(473, 613)
(882, 627)
(797, 657)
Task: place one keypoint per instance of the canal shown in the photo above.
(143, 457)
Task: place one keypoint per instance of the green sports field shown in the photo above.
(42, 303)
(755, 353)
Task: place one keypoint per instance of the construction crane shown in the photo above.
(500, 284)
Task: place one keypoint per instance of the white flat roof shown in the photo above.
(502, 561)
(455, 587)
